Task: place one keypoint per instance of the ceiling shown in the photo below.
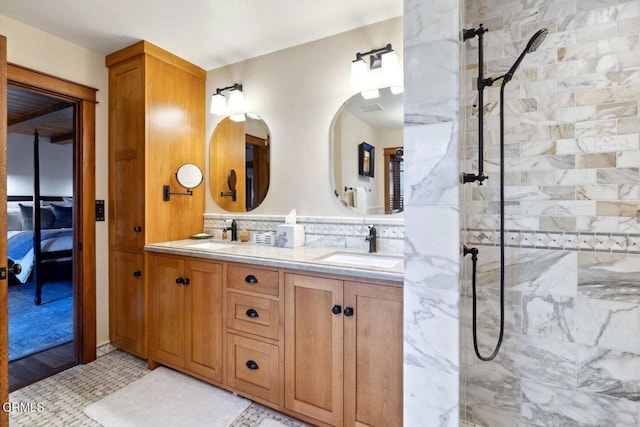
(29, 111)
(208, 33)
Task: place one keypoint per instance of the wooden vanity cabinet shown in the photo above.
(186, 315)
(126, 301)
(343, 351)
(254, 333)
(156, 124)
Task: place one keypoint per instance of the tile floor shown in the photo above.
(60, 399)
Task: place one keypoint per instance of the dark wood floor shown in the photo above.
(36, 367)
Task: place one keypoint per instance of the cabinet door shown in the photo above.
(313, 347)
(166, 305)
(373, 355)
(126, 302)
(203, 319)
(126, 155)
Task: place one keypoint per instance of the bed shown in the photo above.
(51, 227)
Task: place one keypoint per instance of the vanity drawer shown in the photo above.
(254, 315)
(252, 367)
(253, 279)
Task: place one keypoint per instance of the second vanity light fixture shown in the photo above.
(235, 108)
(384, 58)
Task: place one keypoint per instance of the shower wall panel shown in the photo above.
(571, 353)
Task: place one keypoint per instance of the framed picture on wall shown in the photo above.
(366, 161)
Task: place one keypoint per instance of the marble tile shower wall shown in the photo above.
(571, 352)
(572, 127)
(432, 216)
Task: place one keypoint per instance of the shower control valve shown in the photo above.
(471, 177)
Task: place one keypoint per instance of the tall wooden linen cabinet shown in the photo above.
(156, 124)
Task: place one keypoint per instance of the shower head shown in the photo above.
(534, 43)
(536, 40)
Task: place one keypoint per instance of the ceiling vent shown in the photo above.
(370, 108)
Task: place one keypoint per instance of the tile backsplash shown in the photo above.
(338, 232)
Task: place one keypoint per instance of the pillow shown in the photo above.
(63, 216)
(14, 220)
(46, 217)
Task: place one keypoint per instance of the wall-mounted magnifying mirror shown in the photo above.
(373, 130)
(188, 176)
(232, 179)
(244, 149)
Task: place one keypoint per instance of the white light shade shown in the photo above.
(370, 93)
(236, 101)
(238, 117)
(358, 72)
(389, 64)
(218, 104)
(390, 60)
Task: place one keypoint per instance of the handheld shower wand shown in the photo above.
(533, 44)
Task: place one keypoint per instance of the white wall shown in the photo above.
(40, 51)
(56, 167)
(298, 91)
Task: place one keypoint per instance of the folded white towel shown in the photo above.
(347, 198)
(360, 200)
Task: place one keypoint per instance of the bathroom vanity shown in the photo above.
(311, 332)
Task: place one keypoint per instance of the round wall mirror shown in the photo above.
(241, 147)
(367, 154)
(189, 176)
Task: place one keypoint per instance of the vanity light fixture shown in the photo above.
(235, 107)
(385, 58)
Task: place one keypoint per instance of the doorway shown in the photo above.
(41, 135)
(83, 256)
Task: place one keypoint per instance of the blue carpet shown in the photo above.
(35, 328)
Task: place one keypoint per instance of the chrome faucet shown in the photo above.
(372, 239)
(233, 229)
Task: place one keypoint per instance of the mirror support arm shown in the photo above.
(166, 193)
(231, 193)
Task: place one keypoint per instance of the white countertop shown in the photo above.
(301, 258)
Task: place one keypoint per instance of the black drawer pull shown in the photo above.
(348, 311)
(180, 281)
(137, 229)
(251, 279)
(336, 309)
(252, 313)
(137, 273)
(252, 365)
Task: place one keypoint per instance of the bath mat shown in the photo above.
(168, 398)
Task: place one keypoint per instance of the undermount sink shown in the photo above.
(210, 245)
(363, 260)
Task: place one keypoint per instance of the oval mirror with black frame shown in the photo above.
(367, 154)
(244, 148)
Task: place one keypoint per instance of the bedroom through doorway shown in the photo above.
(41, 137)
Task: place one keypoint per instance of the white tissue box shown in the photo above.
(290, 235)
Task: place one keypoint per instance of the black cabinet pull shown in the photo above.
(137, 273)
(180, 281)
(348, 311)
(252, 365)
(252, 313)
(137, 229)
(336, 309)
(187, 281)
(251, 279)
